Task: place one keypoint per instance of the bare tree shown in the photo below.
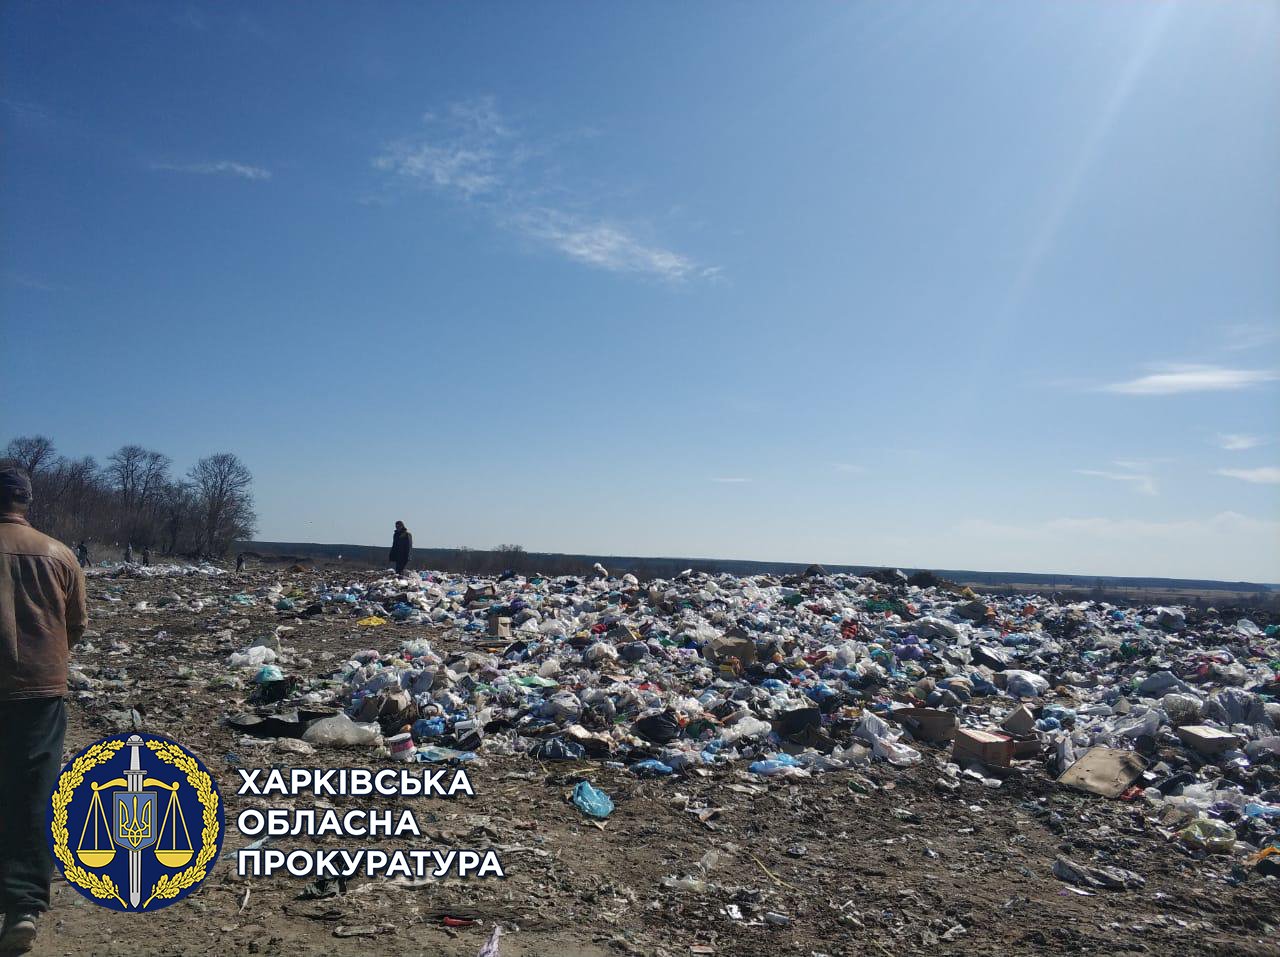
(138, 476)
(220, 484)
(31, 453)
(177, 514)
(71, 501)
(133, 498)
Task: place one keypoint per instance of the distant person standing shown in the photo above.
(128, 554)
(42, 614)
(240, 563)
(82, 554)
(146, 554)
(401, 548)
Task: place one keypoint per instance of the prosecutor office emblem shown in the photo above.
(135, 823)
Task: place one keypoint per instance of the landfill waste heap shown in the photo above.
(797, 677)
(703, 689)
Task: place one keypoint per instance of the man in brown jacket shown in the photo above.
(42, 614)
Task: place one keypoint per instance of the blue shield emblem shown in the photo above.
(134, 823)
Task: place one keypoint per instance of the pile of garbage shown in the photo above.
(137, 570)
(796, 676)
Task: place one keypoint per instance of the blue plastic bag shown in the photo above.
(268, 673)
(592, 801)
(428, 728)
(651, 769)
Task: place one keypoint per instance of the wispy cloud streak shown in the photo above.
(219, 168)
(1141, 482)
(472, 153)
(1266, 475)
(1239, 442)
(1179, 379)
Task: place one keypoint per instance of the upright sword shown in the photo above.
(134, 777)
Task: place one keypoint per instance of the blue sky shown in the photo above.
(932, 284)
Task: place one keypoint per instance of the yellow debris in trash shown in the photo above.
(371, 621)
(1254, 859)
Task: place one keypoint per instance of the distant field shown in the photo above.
(1132, 595)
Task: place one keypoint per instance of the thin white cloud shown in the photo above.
(1266, 475)
(1140, 465)
(470, 152)
(1176, 380)
(731, 481)
(848, 468)
(469, 171)
(464, 154)
(604, 245)
(1239, 442)
(219, 168)
(1141, 482)
(1250, 335)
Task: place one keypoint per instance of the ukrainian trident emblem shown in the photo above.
(146, 836)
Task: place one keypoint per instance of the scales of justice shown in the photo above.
(133, 823)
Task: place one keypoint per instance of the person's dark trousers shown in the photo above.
(31, 733)
(400, 566)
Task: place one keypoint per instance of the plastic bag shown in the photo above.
(871, 728)
(1161, 683)
(748, 727)
(1207, 834)
(1137, 724)
(268, 673)
(1025, 684)
(254, 657)
(592, 801)
(558, 749)
(340, 731)
(650, 769)
(562, 707)
(772, 768)
(896, 753)
(658, 728)
(1181, 708)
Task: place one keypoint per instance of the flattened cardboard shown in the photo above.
(1106, 772)
(1207, 740)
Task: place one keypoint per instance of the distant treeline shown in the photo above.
(134, 498)
(515, 558)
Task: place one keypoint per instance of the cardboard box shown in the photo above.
(621, 634)
(1020, 721)
(1027, 746)
(926, 724)
(1106, 772)
(985, 747)
(1206, 740)
(483, 593)
(500, 627)
(727, 646)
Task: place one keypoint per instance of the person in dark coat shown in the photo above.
(401, 548)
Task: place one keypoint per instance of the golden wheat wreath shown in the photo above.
(104, 887)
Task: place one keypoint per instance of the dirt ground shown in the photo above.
(876, 862)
